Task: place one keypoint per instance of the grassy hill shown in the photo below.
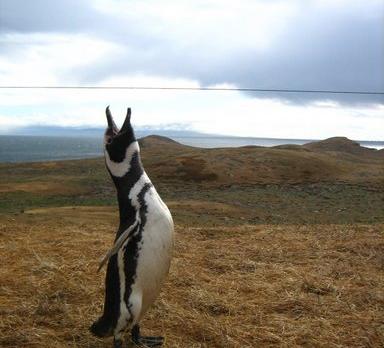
(275, 247)
(325, 182)
(335, 159)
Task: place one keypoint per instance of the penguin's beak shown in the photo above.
(112, 130)
(127, 121)
(109, 117)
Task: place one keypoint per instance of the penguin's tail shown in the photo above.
(101, 327)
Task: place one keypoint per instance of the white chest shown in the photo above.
(155, 249)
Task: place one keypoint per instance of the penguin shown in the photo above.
(139, 260)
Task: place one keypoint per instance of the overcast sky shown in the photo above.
(273, 44)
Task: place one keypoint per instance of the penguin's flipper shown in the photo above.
(118, 243)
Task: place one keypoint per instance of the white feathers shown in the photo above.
(156, 249)
(136, 189)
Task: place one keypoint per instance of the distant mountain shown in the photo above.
(58, 131)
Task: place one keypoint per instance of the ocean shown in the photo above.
(52, 148)
(46, 148)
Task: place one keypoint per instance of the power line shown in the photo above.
(197, 89)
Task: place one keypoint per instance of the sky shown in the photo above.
(271, 44)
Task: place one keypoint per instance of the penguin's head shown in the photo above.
(117, 141)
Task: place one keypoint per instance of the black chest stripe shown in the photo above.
(132, 249)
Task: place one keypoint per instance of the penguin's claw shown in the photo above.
(150, 341)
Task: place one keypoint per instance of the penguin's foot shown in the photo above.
(148, 341)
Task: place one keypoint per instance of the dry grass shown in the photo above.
(246, 286)
(284, 282)
(40, 187)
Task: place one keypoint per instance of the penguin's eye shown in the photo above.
(109, 140)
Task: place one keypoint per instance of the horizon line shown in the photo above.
(198, 135)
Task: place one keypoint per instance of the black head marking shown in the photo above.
(116, 140)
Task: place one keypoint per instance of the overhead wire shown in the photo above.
(261, 90)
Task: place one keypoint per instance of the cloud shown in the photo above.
(231, 113)
(48, 58)
(47, 16)
(317, 44)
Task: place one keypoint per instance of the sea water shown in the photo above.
(45, 148)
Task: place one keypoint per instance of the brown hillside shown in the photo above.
(156, 140)
(341, 144)
(335, 159)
